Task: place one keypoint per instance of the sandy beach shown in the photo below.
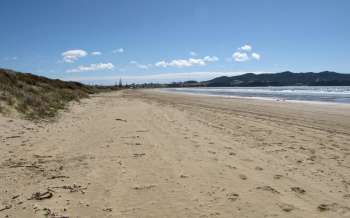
(146, 153)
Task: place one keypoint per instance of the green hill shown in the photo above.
(287, 78)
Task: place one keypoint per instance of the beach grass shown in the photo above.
(35, 97)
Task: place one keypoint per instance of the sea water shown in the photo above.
(336, 94)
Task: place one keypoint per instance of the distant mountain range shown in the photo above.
(287, 78)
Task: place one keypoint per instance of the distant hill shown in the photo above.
(36, 96)
(287, 78)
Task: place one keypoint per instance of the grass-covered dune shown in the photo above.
(35, 97)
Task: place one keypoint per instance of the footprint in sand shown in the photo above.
(144, 187)
(334, 207)
(277, 176)
(243, 177)
(298, 190)
(268, 188)
(286, 207)
(211, 152)
(231, 167)
(232, 196)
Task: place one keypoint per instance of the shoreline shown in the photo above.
(145, 153)
(257, 98)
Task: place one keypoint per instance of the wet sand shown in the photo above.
(144, 153)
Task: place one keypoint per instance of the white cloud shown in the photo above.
(141, 66)
(256, 56)
(71, 56)
(245, 53)
(187, 62)
(92, 67)
(192, 53)
(119, 50)
(96, 53)
(240, 56)
(210, 58)
(161, 64)
(246, 48)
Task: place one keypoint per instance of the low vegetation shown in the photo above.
(36, 97)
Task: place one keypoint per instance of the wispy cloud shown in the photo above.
(119, 50)
(141, 66)
(92, 67)
(256, 56)
(71, 56)
(244, 53)
(11, 58)
(187, 62)
(192, 53)
(96, 53)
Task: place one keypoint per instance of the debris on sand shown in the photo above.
(142, 130)
(41, 195)
(14, 197)
(139, 154)
(144, 187)
(268, 188)
(122, 120)
(183, 176)
(107, 209)
(50, 213)
(12, 137)
(72, 188)
(58, 177)
(6, 208)
(41, 156)
(298, 190)
(17, 165)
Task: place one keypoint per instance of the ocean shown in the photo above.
(335, 94)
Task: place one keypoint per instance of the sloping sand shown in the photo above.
(153, 154)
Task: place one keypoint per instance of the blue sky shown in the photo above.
(100, 41)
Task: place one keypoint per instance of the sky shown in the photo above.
(100, 41)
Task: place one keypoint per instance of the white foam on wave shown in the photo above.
(337, 94)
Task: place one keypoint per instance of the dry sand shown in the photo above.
(153, 154)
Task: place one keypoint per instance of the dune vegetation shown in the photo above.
(35, 97)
